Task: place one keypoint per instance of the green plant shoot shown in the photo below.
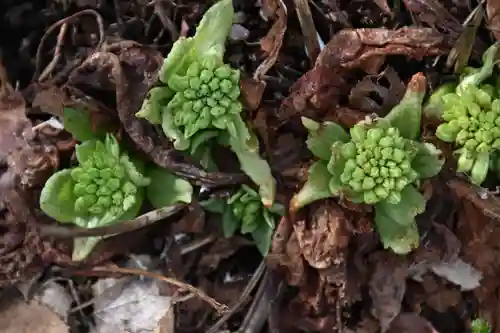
(106, 187)
(200, 94)
(378, 163)
(471, 119)
(480, 326)
(245, 212)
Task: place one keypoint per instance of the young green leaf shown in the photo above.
(428, 161)
(57, 198)
(151, 108)
(401, 239)
(230, 223)
(166, 189)
(323, 136)
(213, 205)
(315, 188)
(85, 150)
(83, 246)
(411, 204)
(79, 124)
(263, 237)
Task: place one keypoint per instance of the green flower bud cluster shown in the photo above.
(472, 120)
(102, 186)
(378, 164)
(206, 97)
(247, 207)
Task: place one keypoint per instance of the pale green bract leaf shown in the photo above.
(428, 161)
(167, 189)
(256, 168)
(57, 199)
(171, 131)
(406, 116)
(323, 136)
(411, 204)
(177, 58)
(79, 124)
(315, 188)
(151, 108)
(401, 239)
(132, 171)
(85, 150)
(83, 246)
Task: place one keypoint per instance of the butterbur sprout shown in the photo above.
(471, 119)
(379, 163)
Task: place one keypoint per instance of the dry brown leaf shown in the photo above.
(366, 49)
(271, 43)
(17, 316)
(387, 286)
(411, 323)
(309, 32)
(382, 4)
(15, 127)
(493, 15)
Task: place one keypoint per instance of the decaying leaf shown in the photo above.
(349, 49)
(493, 16)
(18, 316)
(387, 287)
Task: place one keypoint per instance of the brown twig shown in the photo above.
(118, 228)
(64, 25)
(220, 308)
(57, 53)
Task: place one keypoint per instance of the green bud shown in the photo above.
(445, 133)
(129, 188)
(471, 144)
(480, 168)
(381, 192)
(113, 184)
(483, 147)
(204, 90)
(357, 133)
(355, 185)
(76, 173)
(395, 172)
(394, 197)
(473, 109)
(350, 165)
(384, 172)
(496, 144)
(490, 117)
(104, 190)
(104, 201)
(118, 171)
(463, 122)
(398, 155)
(374, 134)
(373, 162)
(368, 183)
(234, 94)
(401, 183)
(377, 153)
(106, 173)
(386, 141)
(495, 106)
(405, 166)
(345, 177)
(206, 75)
(81, 205)
(390, 164)
(211, 102)
(465, 162)
(193, 70)
(117, 198)
(79, 189)
(387, 153)
(374, 172)
(190, 94)
(92, 172)
(195, 83)
(462, 136)
(366, 168)
(223, 72)
(487, 137)
(482, 98)
(370, 198)
(96, 210)
(348, 150)
(91, 189)
(217, 111)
